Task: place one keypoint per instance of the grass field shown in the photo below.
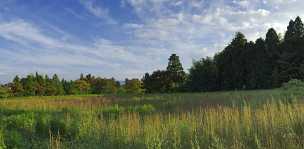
(243, 119)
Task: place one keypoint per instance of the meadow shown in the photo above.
(218, 120)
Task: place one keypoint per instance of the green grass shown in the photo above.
(236, 120)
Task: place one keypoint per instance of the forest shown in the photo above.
(241, 65)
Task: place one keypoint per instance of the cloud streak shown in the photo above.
(54, 52)
(191, 28)
(98, 11)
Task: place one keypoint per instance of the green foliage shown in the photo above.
(81, 87)
(146, 108)
(57, 85)
(262, 64)
(14, 140)
(294, 86)
(42, 125)
(2, 141)
(203, 76)
(28, 84)
(133, 86)
(230, 63)
(157, 82)
(57, 126)
(53, 86)
(295, 30)
(292, 56)
(21, 122)
(37, 85)
(142, 109)
(17, 87)
(176, 74)
(171, 80)
(4, 92)
(111, 86)
(113, 111)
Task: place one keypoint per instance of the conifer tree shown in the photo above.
(176, 73)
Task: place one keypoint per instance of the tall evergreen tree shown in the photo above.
(262, 68)
(273, 50)
(290, 33)
(176, 73)
(292, 58)
(295, 30)
(230, 64)
(272, 42)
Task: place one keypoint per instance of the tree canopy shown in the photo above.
(242, 64)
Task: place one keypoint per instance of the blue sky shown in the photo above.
(126, 38)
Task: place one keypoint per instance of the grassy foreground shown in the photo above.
(249, 119)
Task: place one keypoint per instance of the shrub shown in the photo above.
(294, 86)
(133, 86)
(22, 122)
(58, 127)
(42, 125)
(146, 108)
(58, 124)
(4, 92)
(112, 111)
(14, 140)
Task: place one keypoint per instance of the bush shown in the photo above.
(112, 111)
(4, 92)
(58, 127)
(294, 84)
(14, 140)
(21, 122)
(147, 108)
(42, 125)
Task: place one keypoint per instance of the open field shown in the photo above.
(246, 119)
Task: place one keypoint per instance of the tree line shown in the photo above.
(241, 65)
(43, 85)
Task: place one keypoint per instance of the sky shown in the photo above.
(126, 38)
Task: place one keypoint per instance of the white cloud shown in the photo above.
(98, 11)
(52, 52)
(25, 33)
(178, 25)
(132, 26)
(191, 28)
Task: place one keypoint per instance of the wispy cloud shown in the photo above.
(111, 58)
(25, 33)
(98, 11)
(190, 28)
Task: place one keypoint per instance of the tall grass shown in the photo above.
(273, 124)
